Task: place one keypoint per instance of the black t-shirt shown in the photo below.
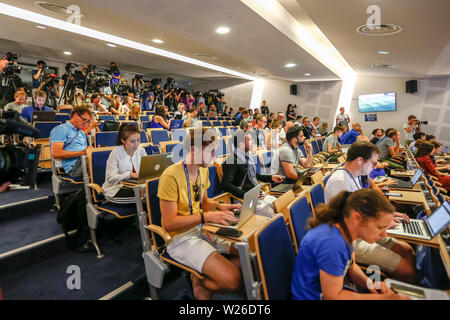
(292, 113)
(265, 110)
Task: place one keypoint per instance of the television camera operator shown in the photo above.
(73, 82)
(18, 159)
(10, 81)
(115, 74)
(171, 95)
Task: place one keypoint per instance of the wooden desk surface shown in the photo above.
(248, 230)
(408, 196)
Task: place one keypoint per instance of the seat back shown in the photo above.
(104, 139)
(45, 128)
(317, 195)
(226, 123)
(215, 187)
(62, 117)
(276, 259)
(223, 131)
(299, 213)
(303, 150)
(122, 118)
(325, 180)
(145, 125)
(320, 143)
(206, 123)
(217, 123)
(144, 118)
(96, 160)
(176, 124)
(154, 209)
(106, 117)
(144, 138)
(267, 160)
(179, 134)
(159, 135)
(315, 146)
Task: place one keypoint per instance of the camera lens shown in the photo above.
(8, 165)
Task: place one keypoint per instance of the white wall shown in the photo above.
(431, 102)
(313, 99)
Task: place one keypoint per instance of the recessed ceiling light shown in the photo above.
(67, 53)
(111, 45)
(383, 52)
(41, 27)
(289, 65)
(382, 30)
(158, 41)
(222, 30)
(385, 66)
(307, 74)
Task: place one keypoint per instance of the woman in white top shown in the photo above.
(273, 136)
(123, 163)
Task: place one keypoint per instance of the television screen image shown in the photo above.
(377, 102)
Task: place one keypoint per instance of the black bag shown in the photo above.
(109, 125)
(71, 216)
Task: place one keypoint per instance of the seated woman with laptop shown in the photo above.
(326, 257)
(123, 163)
(424, 151)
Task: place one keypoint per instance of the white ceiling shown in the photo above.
(253, 46)
(418, 50)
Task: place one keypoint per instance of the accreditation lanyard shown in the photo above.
(351, 176)
(295, 150)
(189, 188)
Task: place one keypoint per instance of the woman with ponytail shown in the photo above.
(326, 255)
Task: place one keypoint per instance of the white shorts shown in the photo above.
(192, 248)
(379, 254)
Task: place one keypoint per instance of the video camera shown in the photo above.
(51, 80)
(70, 66)
(421, 122)
(11, 68)
(112, 70)
(18, 161)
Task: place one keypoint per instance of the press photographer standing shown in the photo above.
(115, 73)
(411, 127)
(37, 75)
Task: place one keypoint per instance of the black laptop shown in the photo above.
(285, 187)
(38, 116)
(401, 184)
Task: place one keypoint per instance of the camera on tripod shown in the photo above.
(18, 161)
(11, 68)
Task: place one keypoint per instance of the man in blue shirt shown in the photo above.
(115, 73)
(350, 137)
(37, 74)
(69, 142)
(39, 98)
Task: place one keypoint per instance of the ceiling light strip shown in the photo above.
(27, 15)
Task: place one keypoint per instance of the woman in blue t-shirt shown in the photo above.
(326, 256)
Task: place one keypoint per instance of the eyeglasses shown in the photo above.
(374, 164)
(85, 120)
(196, 193)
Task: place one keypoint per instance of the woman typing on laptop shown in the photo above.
(123, 163)
(326, 255)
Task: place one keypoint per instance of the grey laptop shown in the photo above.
(248, 209)
(152, 167)
(401, 184)
(296, 187)
(425, 229)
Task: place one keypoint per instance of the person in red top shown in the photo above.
(425, 150)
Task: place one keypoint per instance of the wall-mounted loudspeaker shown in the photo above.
(294, 89)
(411, 86)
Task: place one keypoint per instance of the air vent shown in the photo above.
(205, 56)
(383, 30)
(56, 8)
(385, 66)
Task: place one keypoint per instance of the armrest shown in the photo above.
(160, 231)
(438, 184)
(96, 187)
(433, 178)
(266, 187)
(224, 197)
(442, 190)
(231, 196)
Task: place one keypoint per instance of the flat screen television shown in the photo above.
(377, 102)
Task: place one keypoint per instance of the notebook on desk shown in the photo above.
(151, 167)
(425, 229)
(401, 184)
(247, 211)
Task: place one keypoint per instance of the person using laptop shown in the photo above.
(185, 207)
(326, 254)
(331, 144)
(239, 173)
(123, 163)
(257, 131)
(394, 257)
(424, 151)
(389, 146)
(68, 141)
(441, 164)
(39, 98)
(289, 156)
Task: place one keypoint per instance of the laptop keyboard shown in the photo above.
(413, 227)
(237, 215)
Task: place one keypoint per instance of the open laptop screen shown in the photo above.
(439, 219)
(445, 150)
(416, 176)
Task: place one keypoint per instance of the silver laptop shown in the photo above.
(425, 229)
(152, 167)
(247, 211)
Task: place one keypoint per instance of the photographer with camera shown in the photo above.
(37, 74)
(69, 142)
(49, 85)
(138, 86)
(409, 128)
(10, 81)
(39, 98)
(115, 73)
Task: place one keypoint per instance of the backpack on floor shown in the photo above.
(71, 216)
